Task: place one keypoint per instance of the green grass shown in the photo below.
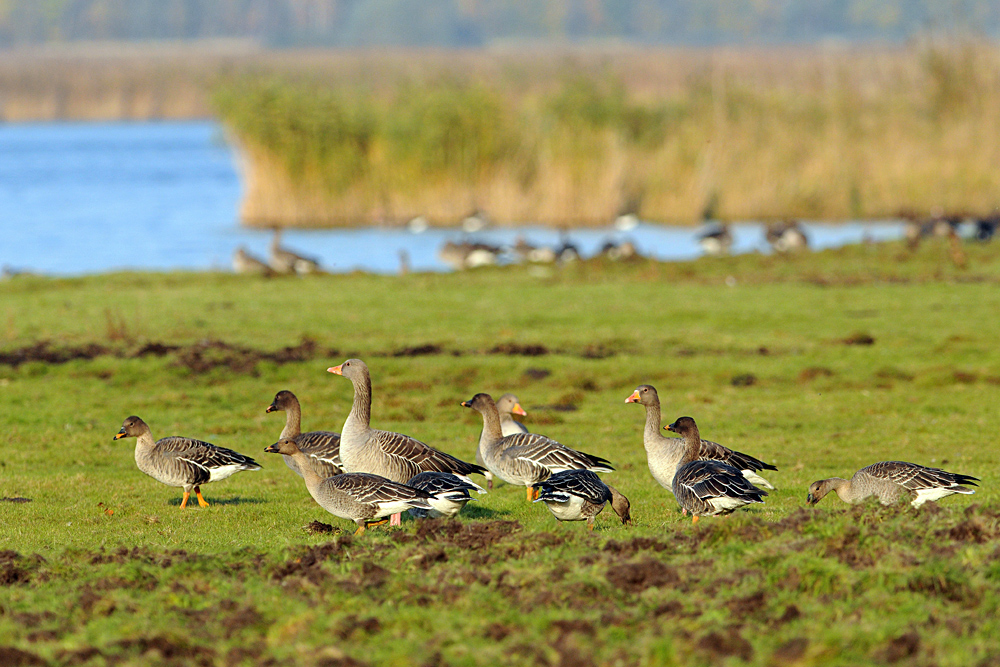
(121, 570)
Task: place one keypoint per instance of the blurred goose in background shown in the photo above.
(787, 236)
(507, 406)
(245, 263)
(391, 455)
(986, 227)
(363, 498)
(524, 459)
(580, 495)
(531, 253)
(616, 251)
(322, 448)
(449, 493)
(708, 488)
(283, 260)
(715, 239)
(663, 454)
(890, 481)
(183, 462)
(468, 255)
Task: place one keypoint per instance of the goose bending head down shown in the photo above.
(580, 495)
(524, 459)
(360, 497)
(450, 493)
(391, 455)
(183, 462)
(708, 487)
(664, 454)
(891, 481)
(322, 448)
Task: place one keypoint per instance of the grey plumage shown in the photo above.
(891, 481)
(321, 447)
(580, 495)
(507, 406)
(183, 462)
(449, 493)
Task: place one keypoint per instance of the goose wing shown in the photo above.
(739, 460)
(322, 445)
(713, 479)
(413, 456)
(552, 455)
(204, 455)
(375, 490)
(436, 483)
(914, 477)
(581, 483)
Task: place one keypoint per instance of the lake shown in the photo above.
(79, 198)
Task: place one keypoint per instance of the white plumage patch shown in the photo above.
(726, 503)
(570, 509)
(392, 507)
(223, 472)
(756, 479)
(923, 495)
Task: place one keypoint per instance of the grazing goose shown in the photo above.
(578, 495)
(322, 448)
(184, 462)
(244, 262)
(524, 459)
(392, 455)
(707, 488)
(663, 454)
(449, 493)
(890, 481)
(283, 260)
(507, 406)
(360, 497)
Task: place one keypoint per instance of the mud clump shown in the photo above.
(749, 605)
(315, 527)
(170, 650)
(902, 647)
(518, 350)
(15, 657)
(473, 536)
(497, 631)
(726, 645)
(44, 352)
(352, 625)
(308, 564)
(637, 577)
(418, 351)
(635, 545)
(16, 569)
(791, 651)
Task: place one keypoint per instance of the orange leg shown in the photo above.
(590, 526)
(201, 501)
(382, 522)
(184, 502)
(361, 529)
(694, 519)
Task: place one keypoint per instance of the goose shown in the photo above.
(507, 406)
(184, 462)
(449, 493)
(363, 498)
(283, 260)
(787, 236)
(245, 263)
(580, 495)
(663, 454)
(322, 448)
(524, 459)
(392, 455)
(715, 239)
(890, 481)
(708, 488)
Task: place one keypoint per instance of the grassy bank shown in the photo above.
(819, 366)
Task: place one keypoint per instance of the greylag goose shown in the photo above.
(244, 262)
(392, 455)
(664, 454)
(786, 236)
(361, 497)
(580, 495)
(715, 239)
(507, 406)
(283, 260)
(184, 462)
(890, 481)
(449, 493)
(708, 488)
(524, 459)
(322, 448)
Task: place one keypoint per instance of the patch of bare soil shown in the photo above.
(418, 351)
(902, 647)
(307, 564)
(634, 546)
(791, 651)
(352, 625)
(751, 605)
(475, 536)
(726, 644)
(315, 527)
(518, 350)
(171, 651)
(15, 657)
(15, 500)
(16, 569)
(637, 577)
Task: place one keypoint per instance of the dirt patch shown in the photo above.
(15, 500)
(748, 606)
(44, 352)
(726, 644)
(902, 647)
(972, 529)
(634, 546)
(813, 372)
(14, 657)
(476, 536)
(858, 338)
(567, 626)
(791, 651)
(352, 625)
(744, 380)
(308, 563)
(497, 631)
(418, 351)
(427, 560)
(516, 349)
(637, 577)
(846, 549)
(171, 650)
(317, 528)
(537, 373)
(16, 569)
(792, 613)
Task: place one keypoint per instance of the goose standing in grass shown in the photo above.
(363, 498)
(524, 459)
(244, 262)
(449, 493)
(890, 481)
(580, 495)
(184, 462)
(391, 455)
(322, 448)
(507, 406)
(283, 260)
(708, 488)
(664, 454)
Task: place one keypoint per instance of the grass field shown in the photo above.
(819, 364)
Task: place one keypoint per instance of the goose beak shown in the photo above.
(466, 404)
(518, 410)
(120, 434)
(272, 449)
(270, 408)
(672, 427)
(634, 398)
(336, 370)
(811, 499)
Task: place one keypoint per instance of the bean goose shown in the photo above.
(663, 454)
(361, 497)
(580, 495)
(449, 493)
(890, 481)
(708, 487)
(524, 459)
(507, 406)
(184, 462)
(322, 448)
(392, 455)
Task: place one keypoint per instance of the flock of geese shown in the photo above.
(370, 476)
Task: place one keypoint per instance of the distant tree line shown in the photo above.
(473, 23)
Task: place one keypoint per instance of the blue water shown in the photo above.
(80, 198)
